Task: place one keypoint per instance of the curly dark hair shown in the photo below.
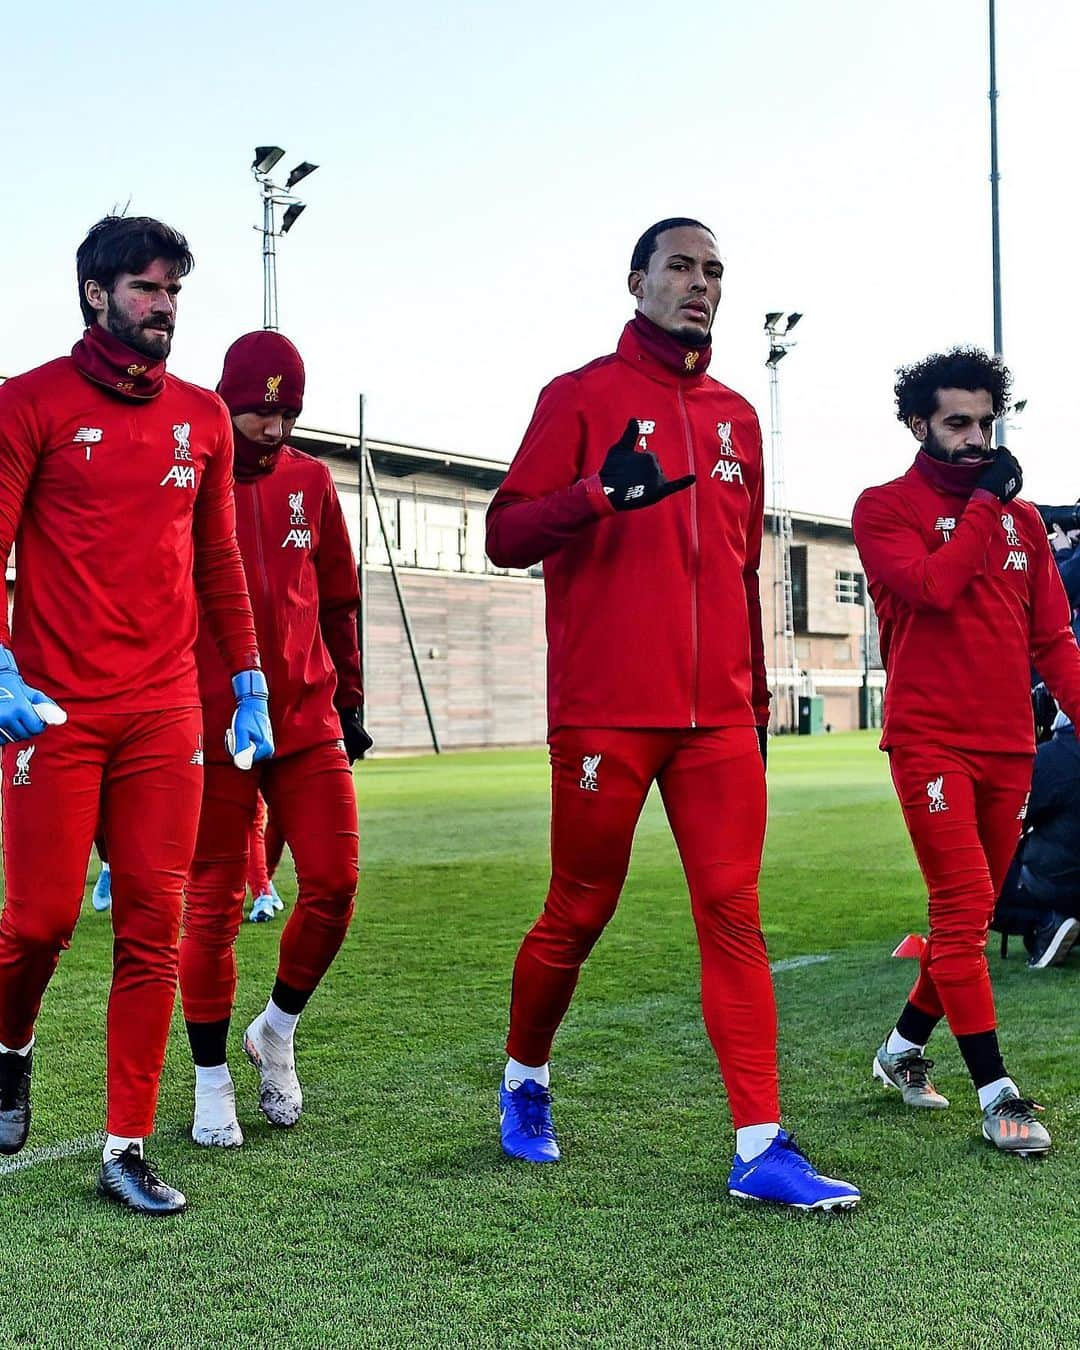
(968, 368)
(119, 244)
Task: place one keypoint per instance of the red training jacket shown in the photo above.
(120, 512)
(301, 575)
(968, 598)
(653, 616)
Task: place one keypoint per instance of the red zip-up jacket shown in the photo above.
(305, 595)
(968, 598)
(121, 512)
(653, 616)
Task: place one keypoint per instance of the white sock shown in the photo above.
(116, 1143)
(753, 1140)
(282, 1024)
(991, 1090)
(516, 1072)
(6, 1050)
(896, 1044)
(210, 1080)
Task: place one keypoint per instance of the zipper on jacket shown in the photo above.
(260, 557)
(695, 553)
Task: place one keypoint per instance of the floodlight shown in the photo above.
(301, 171)
(289, 219)
(772, 318)
(792, 320)
(776, 355)
(266, 156)
(1019, 406)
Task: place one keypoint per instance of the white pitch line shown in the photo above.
(68, 1148)
(797, 962)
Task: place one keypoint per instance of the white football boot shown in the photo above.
(280, 1097)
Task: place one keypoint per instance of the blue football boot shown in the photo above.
(101, 896)
(784, 1175)
(525, 1123)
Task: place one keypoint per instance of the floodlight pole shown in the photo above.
(995, 222)
(269, 254)
(783, 594)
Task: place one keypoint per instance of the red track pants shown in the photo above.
(313, 801)
(258, 875)
(142, 771)
(712, 783)
(963, 812)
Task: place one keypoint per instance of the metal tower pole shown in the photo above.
(783, 598)
(269, 252)
(995, 222)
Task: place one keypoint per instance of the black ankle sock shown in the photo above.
(209, 1042)
(290, 1000)
(915, 1025)
(982, 1057)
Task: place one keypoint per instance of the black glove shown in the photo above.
(633, 478)
(763, 744)
(357, 741)
(1002, 476)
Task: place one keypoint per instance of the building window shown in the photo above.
(848, 588)
(798, 588)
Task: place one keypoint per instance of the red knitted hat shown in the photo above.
(263, 372)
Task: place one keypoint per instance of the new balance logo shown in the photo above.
(1022, 813)
(589, 766)
(298, 539)
(1017, 561)
(87, 436)
(181, 476)
(645, 427)
(729, 470)
(935, 791)
(21, 776)
(197, 756)
(638, 490)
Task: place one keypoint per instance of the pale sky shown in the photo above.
(486, 168)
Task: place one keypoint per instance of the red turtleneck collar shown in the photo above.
(107, 361)
(957, 480)
(643, 336)
(251, 460)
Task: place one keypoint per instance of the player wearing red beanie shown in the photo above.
(968, 599)
(116, 485)
(656, 673)
(304, 592)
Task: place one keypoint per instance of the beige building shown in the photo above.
(478, 630)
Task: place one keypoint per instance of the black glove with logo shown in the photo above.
(633, 478)
(1002, 476)
(357, 741)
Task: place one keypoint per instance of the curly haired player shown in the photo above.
(968, 599)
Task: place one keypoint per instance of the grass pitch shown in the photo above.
(389, 1217)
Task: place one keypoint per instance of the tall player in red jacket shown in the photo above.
(116, 485)
(656, 672)
(304, 592)
(968, 598)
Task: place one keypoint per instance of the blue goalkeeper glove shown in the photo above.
(24, 712)
(250, 738)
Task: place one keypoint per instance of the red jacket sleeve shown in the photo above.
(544, 502)
(19, 449)
(1054, 652)
(894, 551)
(339, 599)
(759, 688)
(219, 570)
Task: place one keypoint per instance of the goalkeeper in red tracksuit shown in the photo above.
(968, 599)
(116, 485)
(305, 595)
(656, 673)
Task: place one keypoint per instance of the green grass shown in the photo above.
(390, 1218)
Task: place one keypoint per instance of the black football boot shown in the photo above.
(14, 1100)
(129, 1179)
